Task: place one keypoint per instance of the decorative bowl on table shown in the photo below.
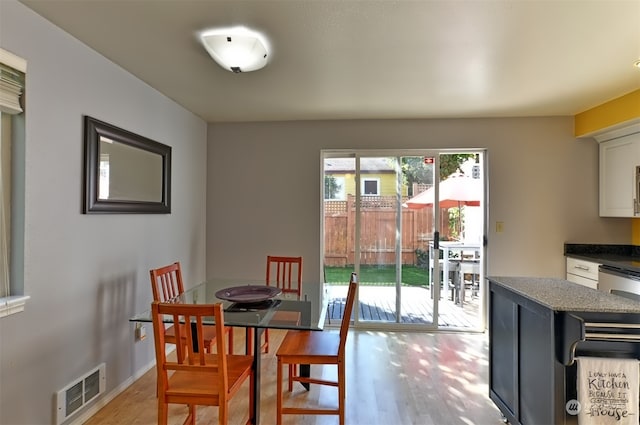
(247, 294)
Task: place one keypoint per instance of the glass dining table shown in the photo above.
(277, 312)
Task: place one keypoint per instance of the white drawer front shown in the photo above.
(582, 280)
(582, 268)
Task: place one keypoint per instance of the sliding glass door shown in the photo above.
(379, 221)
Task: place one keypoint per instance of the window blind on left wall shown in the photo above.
(12, 73)
(12, 82)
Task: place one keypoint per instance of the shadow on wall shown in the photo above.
(114, 333)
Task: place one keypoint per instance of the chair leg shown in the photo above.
(342, 391)
(279, 392)
(264, 346)
(191, 419)
(223, 413)
(163, 413)
(230, 350)
(293, 371)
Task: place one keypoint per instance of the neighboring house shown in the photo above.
(377, 177)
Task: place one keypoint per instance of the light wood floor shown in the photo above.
(393, 378)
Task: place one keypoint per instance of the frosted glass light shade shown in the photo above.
(236, 49)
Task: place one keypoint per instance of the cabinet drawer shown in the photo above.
(582, 268)
(590, 283)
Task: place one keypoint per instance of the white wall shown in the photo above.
(87, 274)
(264, 189)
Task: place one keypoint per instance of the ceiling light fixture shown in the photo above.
(637, 63)
(236, 49)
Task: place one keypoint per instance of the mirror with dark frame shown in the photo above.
(124, 172)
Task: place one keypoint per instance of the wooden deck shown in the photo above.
(378, 304)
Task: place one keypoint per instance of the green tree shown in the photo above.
(450, 163)
(414, 169)
(331, 187)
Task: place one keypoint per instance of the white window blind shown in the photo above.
(12, 81)
(12, 71)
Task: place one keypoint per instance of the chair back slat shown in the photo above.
(285, 273)
(195, 324)
(348, 308)
(166, 282)
(180, 335)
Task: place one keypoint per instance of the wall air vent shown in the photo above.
(81, 391)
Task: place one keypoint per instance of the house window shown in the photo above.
(12, 165)
(371, 186)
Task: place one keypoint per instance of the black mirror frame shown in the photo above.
(93, 129)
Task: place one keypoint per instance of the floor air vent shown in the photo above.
(74, 396)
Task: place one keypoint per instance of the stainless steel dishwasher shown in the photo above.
(617, 281)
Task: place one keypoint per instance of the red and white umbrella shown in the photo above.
(457, 190)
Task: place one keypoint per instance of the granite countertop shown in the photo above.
(562, 295)
(626, 257)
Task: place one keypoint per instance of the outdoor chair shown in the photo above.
(316, 348)
(450, 281)
(469, 268)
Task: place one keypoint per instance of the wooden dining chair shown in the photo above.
(316, 348)
(167, 284)
(284, 273)
(197, 378)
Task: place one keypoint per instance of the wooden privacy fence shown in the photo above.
(377, 231)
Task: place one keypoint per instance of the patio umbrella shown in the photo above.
(457, 190)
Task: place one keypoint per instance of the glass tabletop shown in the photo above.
(278, 312)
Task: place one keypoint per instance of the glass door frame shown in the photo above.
(397, 154)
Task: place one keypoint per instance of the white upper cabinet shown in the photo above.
(620, 176)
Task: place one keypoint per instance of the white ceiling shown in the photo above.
(372, 59)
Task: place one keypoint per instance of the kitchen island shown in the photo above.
(537, 327)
